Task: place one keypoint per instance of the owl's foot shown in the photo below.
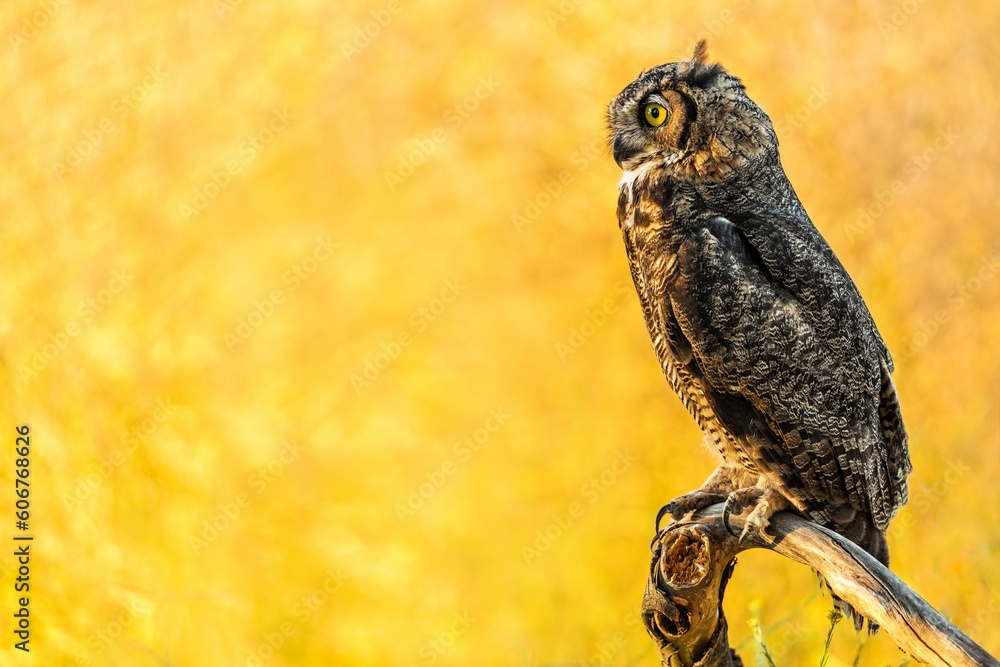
(765, 502)
(689, 502)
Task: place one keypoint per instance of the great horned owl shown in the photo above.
(756, 323)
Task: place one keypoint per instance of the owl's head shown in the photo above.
(692, 118)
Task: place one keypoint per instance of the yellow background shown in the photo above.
(219, 377)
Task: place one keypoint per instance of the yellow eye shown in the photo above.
(656, 114)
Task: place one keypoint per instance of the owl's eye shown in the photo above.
(655, 114)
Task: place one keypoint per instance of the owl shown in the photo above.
(757, 325)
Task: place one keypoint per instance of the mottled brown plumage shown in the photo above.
(757, 326)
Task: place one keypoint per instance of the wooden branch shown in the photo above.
(694, 558)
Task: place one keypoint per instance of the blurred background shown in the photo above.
(321, 320)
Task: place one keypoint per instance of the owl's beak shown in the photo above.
(619, 151)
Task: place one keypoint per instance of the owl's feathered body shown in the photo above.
(757, 325)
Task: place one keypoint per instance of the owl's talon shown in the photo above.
(688, 503)
(736, 503)
(752, 528)
(765, 502)
(652, 543)
(659, 516)
(725, 521)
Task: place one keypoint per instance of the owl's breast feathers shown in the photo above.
(769, 344)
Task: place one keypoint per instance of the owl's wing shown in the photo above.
(799, 259)
(776, 368)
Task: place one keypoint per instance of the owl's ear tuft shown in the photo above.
(697, 72)
(700, 52)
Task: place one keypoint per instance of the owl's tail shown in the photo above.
(862, 532)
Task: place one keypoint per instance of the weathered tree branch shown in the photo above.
(694, 558)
